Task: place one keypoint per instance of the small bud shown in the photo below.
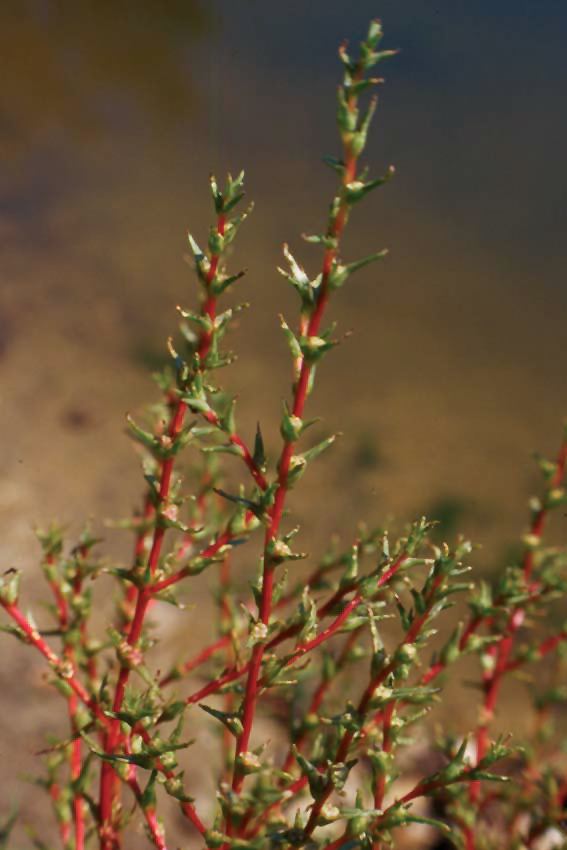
(406, 653)
(170, 512)
(531, 541)
(249, 763)
(329, 813)
(290, 427)
(215, 839)
(216, 242)
(259, 632)
(555, 497)
(169, 761)
(313, 348)
(10, 587)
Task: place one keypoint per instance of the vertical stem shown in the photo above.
(228, 699)
(492, 679)
(362, 708)
(109, 785)
(386, 748)
(72, 701)
(299, 399)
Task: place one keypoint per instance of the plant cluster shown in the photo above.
(348, 654)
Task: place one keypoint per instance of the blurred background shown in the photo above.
(111, 118)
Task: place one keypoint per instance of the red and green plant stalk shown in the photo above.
(108, 782)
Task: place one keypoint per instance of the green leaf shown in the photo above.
(217, 194)
(347, 117)
(229, 205)
(202, 264)
(202, 321)
(358, 141)
(326, 241)
(358, 189)
(216, 242)
(231, 720)
(174, 787)
(314, 347)
(336, 164)
(225, 448)
(147, 798)
(239, 500)
(143, 437)
(355, 89)
(233, 225)
(259, 456)
(10, 586)
(234, 186)
(316, 780)
(317, 450)
(221, 282)
(291, 340)
(403, 818)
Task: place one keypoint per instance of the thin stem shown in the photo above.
(492, 678)
(237, 441)
(108, 782)
(387, 744)
(57, 664)
(299, 399)
(362, 708)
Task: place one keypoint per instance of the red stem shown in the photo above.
(109, 787)
(386, 748)
(149, 812)
(209, 552)
(221, 643)
(56, 663)
(236, 440)
(500, 651)
(75, 759)
(362, 708)
(299, 399)
(307, 646)
(199, 659)
(36, 640)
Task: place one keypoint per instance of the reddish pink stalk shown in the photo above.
(300, 397)
(76, 760)
(292, 790)
(419, 790)
(209, 552)
(237, 441)
(542, 650)
(362, 708)
(501, 651)
(319, 696)
(149, 812)
(129, 603)
(36, 640)
(439, 666)
(199, 659)
(538, 522)
(108, 782)
(314, 707)
(232, 675)
(222, 642)
(187, 808)
(302, 649)
(386, 748)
